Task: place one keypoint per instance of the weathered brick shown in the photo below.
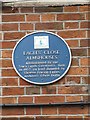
(73, 43)
(26, 9)
(13, 35)
(7, 63)
(48, 17)
(9, 10)
(48, 9)
(33, 111)
(49, 26)
(71, 9)
(75, 62)
(49, 110)
(86, 80)
(33, 17)
(49, 99)
(13, 111)
(79, 52)
(13, 18)
(72, 89)
(73, 110)
(87, 16)
(9, 72)
(72, 34)
(32, 90)
(9, 81)
(75, 117)
(8, 44)
(27, 118)
(6, 53)
(24, 83)
(25, 99)
(51, 118)
(73, 98)
(78, 71)
(73, 80)
(85, 62)
(10, 27)
(84, 43)
(9, 100)
(49, 90)
(73, 16)
(12, 91)
(9, 118)
(85, 24)
(26, 26)
(71, 25)
(84, 8)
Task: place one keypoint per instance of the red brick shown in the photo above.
(73, 16)
(26, 26)
(0, 36)
(85, 61)
(24, 83)
(75, 117)
(71, 25)
(49, 110)
(48, 9)
(25, 99)
(73, 43)
(32, 90)
(12, 111)
(26, 9)
(86, 117)
(73, 110)
(13, 35)
(6, 63)
(9, 100)
(78, 71)
(33, 111)
(9, 10)
(49, 90)
(33, 17)
(12, 91)
(9, 72)
(49, 26)
(73, 98)
(13, 18)
(71, 9)
(8, 44)
(7, 54)
(48, 17)
(51, 118)
(75, 62)
(73, 80)
(72, 34)
(9, 118)
(27, 118)
(79, 52)
(86, 80)
(84, 43)
(9, 81)
(84, 8)
(87, 16)
(85, 24)
(10, 27)
(49, 99)
(72, 89)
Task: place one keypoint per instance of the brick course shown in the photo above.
(72, 24)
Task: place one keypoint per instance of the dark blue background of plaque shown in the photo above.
(27, 44)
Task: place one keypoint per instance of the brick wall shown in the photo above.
(71, 23)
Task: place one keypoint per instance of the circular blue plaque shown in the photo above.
(41, 58)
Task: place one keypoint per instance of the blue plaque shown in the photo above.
(41, 58)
